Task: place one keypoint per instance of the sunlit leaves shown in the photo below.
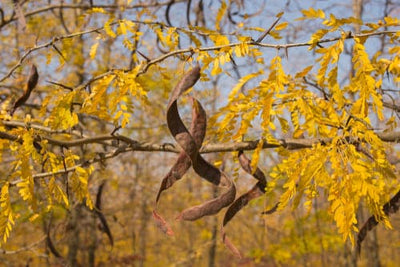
(119, 75)
(313, 14)
(24, 168)
(93, 50)
(220, 14)
(62, 115)
(108, 29)
(6, 214)
(329, 55)
(79, 184)
(241, 83)
(219, 39)
(281, 26)
(57, 192)
(317, 36)
(169, 38)
(364, 82)
(256, 155)
(334, 23)
(391, 21)
(347, 175)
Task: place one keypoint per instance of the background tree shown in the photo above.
(309, 92)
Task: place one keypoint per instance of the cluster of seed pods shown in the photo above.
(190, 140)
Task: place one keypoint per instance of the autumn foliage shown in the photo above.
(128, 132)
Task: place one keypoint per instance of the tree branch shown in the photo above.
(173, 53)
(134, 145)
(23, 249)
(38, 127)
(84, 7)
(253, 43)
(45, 45)
(290, 144)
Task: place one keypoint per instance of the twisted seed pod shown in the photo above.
(257, 191)
(182, 164)
(31, 84)
(389, 208)
(190, 142)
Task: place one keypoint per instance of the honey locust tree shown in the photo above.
(304, 99)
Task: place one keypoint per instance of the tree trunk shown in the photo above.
(373, 249)
(213, 248)
(73, 240)
(93, 240)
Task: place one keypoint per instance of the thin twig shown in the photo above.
(23, 249)
(275, 46)
(45, 45)
(38, 127)
(265, 33)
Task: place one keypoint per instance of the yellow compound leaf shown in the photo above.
(312, 14)
(317, 36)
(6, 215)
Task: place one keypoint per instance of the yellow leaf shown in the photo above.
(256, 155)
(281, 26)
(304, 72)
(108, 29)
(125, 119)
(98, 10)
(313, 14)
(390, 21)
(219, 39)
(33, 217)
(122, 27)
(242, 82)
(220, 14)
(93, 50)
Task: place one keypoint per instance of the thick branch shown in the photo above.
(288, 143)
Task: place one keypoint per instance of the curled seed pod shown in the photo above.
(31, 84)
(188, 144)
(191, 142)
(389, 208)
(105, 228)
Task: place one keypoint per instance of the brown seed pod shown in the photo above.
(31, 84)
(191, 142)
